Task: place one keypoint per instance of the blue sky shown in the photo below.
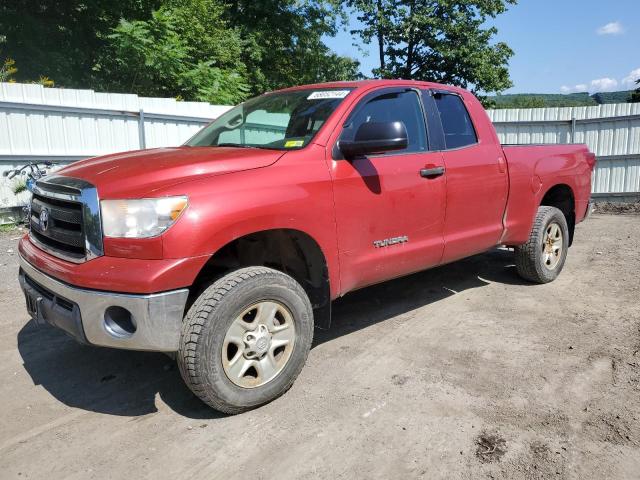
(560, 46)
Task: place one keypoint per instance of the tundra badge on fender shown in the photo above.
(390, 241)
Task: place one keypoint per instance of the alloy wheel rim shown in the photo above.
(258, 344)
(552, 246)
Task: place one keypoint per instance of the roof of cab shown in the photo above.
(372, 83)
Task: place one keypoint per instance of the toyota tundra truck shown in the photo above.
(227, 251)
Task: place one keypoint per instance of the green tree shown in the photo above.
(515, 101)
(635, 96)
(376, 18)
(8, 70)
(215, 50)
(62, 39)
(186, 49)
(283, 42)
(437, 40)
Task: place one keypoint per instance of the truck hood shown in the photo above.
(141, 173)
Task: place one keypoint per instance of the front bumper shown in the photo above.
(118, 320)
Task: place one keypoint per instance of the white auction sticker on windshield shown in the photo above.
(328, 94)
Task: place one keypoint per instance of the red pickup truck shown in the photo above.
(228, 250)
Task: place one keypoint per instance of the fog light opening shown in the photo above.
(119, 322)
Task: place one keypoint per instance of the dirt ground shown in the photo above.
(618, 207)
(459, 372)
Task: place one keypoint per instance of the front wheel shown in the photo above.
(541, 259)
(245, 339)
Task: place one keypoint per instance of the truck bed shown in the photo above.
(538, 168)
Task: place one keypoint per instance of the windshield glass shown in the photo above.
(281, 121)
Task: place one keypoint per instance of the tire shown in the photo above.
(233, 308)
(537, 260)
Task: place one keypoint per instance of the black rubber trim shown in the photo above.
(45, 307)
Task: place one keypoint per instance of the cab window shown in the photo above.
(402, 107)
(456, 123)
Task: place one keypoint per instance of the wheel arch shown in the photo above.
(562, 197)
(291, 251)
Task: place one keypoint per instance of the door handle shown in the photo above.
(432, 172)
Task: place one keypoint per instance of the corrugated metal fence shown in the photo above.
(65, 125)
(612, 132)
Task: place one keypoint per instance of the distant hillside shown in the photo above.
(612, 97)
(539, 100)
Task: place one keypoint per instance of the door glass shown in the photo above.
(392, 107)
(456, 123)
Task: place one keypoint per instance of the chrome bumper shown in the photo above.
(153, 321)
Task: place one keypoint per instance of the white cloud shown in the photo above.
(598, 85)
(630, 80)
(581, 87)
(611, 28)
(603, 84)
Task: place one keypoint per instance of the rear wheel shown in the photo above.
(541, 259)
(245, 339)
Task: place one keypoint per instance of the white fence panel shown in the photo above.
(64, 125)
(612, 132)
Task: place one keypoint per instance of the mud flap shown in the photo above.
(322, 316)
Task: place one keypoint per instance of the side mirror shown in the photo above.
(373, 137)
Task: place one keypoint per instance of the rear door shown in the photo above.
(476, 175)
(389, 217)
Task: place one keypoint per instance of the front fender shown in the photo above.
(295, 193)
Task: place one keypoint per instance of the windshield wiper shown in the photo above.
(239, 145)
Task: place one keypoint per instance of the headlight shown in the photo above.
(143, 218)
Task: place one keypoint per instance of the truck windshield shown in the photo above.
(279, 121)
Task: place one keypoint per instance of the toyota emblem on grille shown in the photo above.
(44, 219)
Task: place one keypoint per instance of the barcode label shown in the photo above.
(321, 95)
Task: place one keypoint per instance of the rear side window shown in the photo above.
(456, 123)
(392, 107)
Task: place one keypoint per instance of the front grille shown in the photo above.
(65, 218)
(60, 228)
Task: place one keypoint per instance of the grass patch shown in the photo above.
(9, 227)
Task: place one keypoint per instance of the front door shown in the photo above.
(389, 217)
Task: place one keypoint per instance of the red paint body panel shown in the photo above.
(375, 200)
(295, 193)
(488, 196)
(144, 248)
(381, 197)
(545, 166)
(145, 172)
(477, 188)
(125, 275)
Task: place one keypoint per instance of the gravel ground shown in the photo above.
(618, 207)
(459, 372)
